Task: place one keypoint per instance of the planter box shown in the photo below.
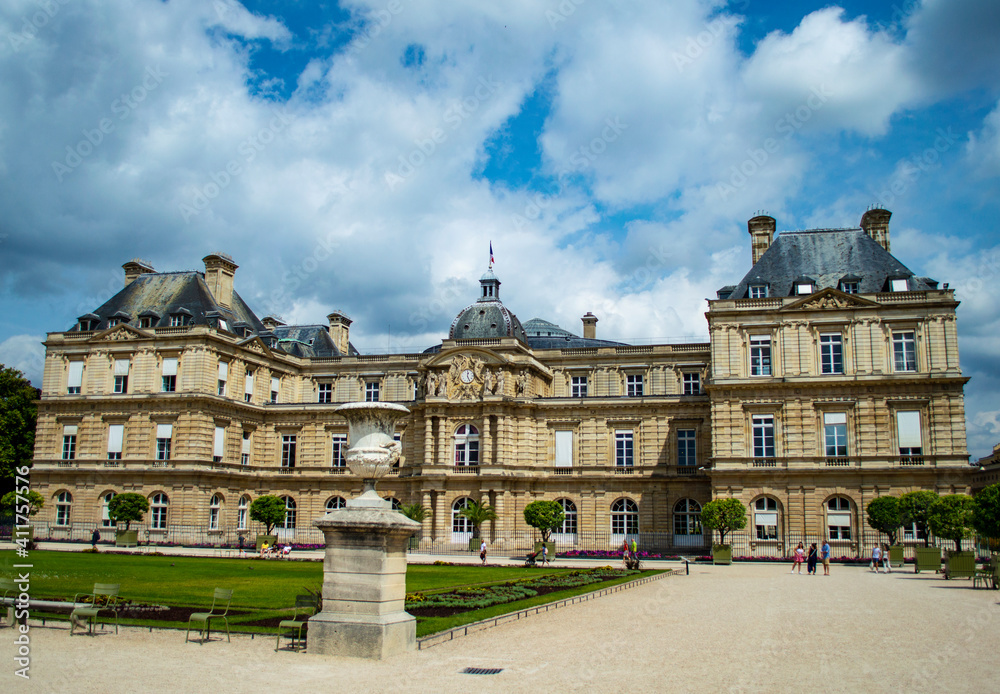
(127, 538)
(928, 559)
(896, 555)
(550, 545)
(961, 565)
(722, 554)
(269, 539)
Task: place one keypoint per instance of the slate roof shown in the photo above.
(164, 293)
(488, 317)
(309, 341)
(545, 335)
(826, 256)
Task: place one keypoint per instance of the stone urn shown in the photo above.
(373, 450)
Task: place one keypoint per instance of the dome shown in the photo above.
(488, 317)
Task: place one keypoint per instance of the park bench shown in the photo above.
(106, 593)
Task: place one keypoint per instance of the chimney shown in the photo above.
(590, 326)
(272, 322)
(761, 230)
(340, 330)
(134, 268)
(219, 272)
(875, 222)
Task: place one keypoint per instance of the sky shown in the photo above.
(362, 156)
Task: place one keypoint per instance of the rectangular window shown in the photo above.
(275, 388)
(219, 445)
(248, 390)
(692, 384)
(763, 436)
(62, 510)
(908, 433)
(831, 353)
(803, 288)
(564, 449)
(163, 434)
(766, 525)
(339, 457)
(898, 285)
(760, 355)
(169, 375)
(758, 291)
(913, 532)
(835, 434)
(579, 387)
(838, 525)
(121, 375)
(686, 451)
(223, 376)
(904, 351)
(75, 380)
(288, 450)
(371, 391)
(624, 448)
(116, 436)
(245, 449)
(849, 287)
(633, 385)
(325, 392)
(176, 320)
(69, 442)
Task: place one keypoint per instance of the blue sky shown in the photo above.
(362, 155)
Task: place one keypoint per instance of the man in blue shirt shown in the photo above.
(825, 555)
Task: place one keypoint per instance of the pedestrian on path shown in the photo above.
(811, 560)
(545, 553)
(886, 564)
(482, 552)
(800, 556)
(95, 537)
(825, 556)
(876, 557)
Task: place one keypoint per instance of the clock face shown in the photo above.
(467, 376)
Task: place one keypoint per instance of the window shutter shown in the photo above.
(164, 431)
(249, 384)
(170, 366)
(116, 433)
(121, 367)
(275, 384)
(223, 370)
(75, 374)
(69, 430)
(564, 449)
(908, 429)
(835, 418)
(246, 444)
(220, 442)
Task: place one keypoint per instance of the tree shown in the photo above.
(986, 512)
(29, 504)
(416, 512)
(545, 516)
(269, 510)
(18, 416)
(915, 508)
(951, 518)
(477, 515)
(724, 515)
(127, 507)
(883, 515)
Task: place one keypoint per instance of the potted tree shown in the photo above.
(477, 513)
(544, 516)
(269, 510)
(724, 515)
(21, 507)
(915, 509)
(127, 507)
(418, 513)
(883, 516)
(951, 518)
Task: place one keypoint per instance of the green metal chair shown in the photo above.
(305, 607)
(106, 593)
(988, 575)
(8, 589)
(220, 596)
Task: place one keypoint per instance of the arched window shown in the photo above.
(158, 511)
(466, 445)
(396, 505)
(106, 521)
(838, 518)
(289, 522)
(459, 523)
(624, 517)
(64, 504)
(687, 523)
(214, 509)
(568, 526)
(241, 513)
(765, 518)
(335, 502)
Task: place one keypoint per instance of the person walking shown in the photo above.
(876, 557)
(545, 553)
(886, 564)
(95, 537)
(811, 560)
(800, 556)
(825, 556)
(482, 552)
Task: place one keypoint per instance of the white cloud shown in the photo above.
(26, 354)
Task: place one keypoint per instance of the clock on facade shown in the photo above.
(467, 376)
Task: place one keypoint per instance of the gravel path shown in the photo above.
(742, 628)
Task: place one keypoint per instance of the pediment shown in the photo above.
(464, 355)
(255, 344)
(120, 333)
(829, 299)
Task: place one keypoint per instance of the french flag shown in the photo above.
(491, 254)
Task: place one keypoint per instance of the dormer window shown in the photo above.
(148, 319)
(758, 291)
(849, 287)
(112, 322)
(176, 320)
(899, 285)
(146, 322)
(89, 321)
(803, 288)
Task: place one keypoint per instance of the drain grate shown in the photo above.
(482, 671)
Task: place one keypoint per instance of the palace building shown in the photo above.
(831, 377)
